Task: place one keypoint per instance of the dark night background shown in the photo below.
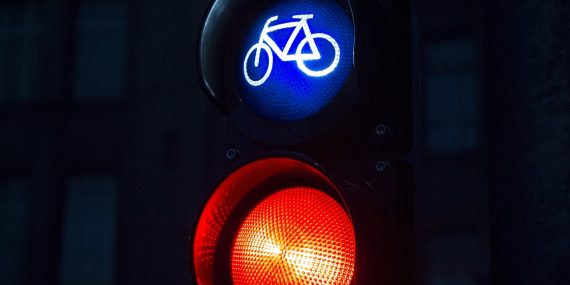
(105, 135)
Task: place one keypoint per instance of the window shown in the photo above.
(451, 89)
(455, 259)
(19, 51)
(89, 231)
(100, 52)
(14, 227)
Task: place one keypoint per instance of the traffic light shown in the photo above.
(317, 99)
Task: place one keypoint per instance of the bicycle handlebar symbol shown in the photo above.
(269, 46)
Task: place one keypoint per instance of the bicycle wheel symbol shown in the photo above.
(317, 73)
(267, 49)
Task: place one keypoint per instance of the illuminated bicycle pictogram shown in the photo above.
(269, 46)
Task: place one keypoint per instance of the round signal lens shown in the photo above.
(295, 59)
(297, 236)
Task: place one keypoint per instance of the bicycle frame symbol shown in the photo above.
(269, 46)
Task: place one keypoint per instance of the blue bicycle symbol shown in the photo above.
(269, 46)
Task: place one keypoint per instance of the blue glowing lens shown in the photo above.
(296, 58)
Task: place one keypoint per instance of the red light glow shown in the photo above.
(296, 236)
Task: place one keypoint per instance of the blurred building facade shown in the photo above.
(101, 142)
(104, 135)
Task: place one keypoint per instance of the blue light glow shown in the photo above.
(297, 57)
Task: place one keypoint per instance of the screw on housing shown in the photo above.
(232, 153)
(381, 130)
(382, 166)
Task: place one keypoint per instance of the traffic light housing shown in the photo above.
(317, 98)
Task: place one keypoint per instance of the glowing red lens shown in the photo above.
(296, 236)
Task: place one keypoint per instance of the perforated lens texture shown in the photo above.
(296, 236)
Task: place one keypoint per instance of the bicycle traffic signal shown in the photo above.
(317, 98)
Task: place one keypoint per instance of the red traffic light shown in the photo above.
(254, 208)
(286, 220)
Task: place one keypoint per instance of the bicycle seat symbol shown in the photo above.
(267, 44)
